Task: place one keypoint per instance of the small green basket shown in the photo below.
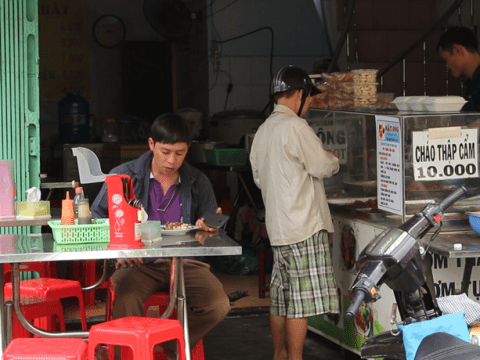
(226, 157)
(98, 231)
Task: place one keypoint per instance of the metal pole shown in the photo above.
(404, 76)
(182, 308)
(424, 69)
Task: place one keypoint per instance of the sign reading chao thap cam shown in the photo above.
(445, 153)
(63, 47)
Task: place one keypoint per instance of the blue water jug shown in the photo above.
(73, 118)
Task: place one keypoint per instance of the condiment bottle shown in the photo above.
(67, 211)
(84, 215)
(78, 195)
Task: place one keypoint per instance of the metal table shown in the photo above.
(15, 249)
(443, 245)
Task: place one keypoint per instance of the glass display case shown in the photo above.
(398, 161)
(392, 163)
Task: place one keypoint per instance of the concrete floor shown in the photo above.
(249, 338)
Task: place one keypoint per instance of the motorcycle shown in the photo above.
(396, 257)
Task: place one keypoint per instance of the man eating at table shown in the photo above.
(170, 190)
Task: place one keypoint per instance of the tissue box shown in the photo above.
(31, 210)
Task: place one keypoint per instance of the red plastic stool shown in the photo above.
(85, 271)
(160, 299)
(45, 349)
(141, 334)
(52, 288)
(34, 308)
(44, 269)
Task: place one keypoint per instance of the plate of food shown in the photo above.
(177, 228)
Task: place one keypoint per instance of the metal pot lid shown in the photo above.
(239, 114)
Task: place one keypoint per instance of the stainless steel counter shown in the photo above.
(42, 247)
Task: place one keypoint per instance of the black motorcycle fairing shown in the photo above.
(384, 345)
(443, 346)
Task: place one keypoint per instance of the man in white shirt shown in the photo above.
(288, 163)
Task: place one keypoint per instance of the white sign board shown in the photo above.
(389, 164)
(334, 138)
(445, 153)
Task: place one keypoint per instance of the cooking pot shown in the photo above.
(231, 125)
(196, 153)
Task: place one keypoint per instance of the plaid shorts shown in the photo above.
(303, 283)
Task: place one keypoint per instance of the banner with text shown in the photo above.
(63, 47)
(453, 155)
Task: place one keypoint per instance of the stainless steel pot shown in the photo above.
(230, 126)
(196, 153)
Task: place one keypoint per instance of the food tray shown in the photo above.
(98, 231)
(226, 157)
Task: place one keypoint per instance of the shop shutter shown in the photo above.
(19, 95)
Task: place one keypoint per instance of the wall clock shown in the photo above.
(109, 31)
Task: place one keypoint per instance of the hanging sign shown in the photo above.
(445, 153)
(389, 164)
(334, 138)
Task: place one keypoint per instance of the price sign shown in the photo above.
(453, 155)
(334, 138)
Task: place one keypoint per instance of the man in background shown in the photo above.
(458, 47)
(288, 163)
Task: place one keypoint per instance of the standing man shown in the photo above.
(170, 190)
(458, 47)
(288, 163)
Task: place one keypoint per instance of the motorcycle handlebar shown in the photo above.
(453, 197)
(357, 299)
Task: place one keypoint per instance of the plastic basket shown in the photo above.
(98, 231)
(474, 219)
(80, 247)
(226, 157)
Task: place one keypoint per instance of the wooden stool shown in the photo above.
(45, 349)
(141, 334)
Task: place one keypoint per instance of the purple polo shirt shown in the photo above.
(166, 207)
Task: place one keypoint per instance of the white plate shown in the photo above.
(178, 231)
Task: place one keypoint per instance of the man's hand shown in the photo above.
(201, 222)
(201, 236)
(128, 263)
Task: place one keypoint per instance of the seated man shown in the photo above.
(170, 190)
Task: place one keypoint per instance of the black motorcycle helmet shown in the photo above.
(293, 78)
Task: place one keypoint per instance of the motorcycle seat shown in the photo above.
(443, 346)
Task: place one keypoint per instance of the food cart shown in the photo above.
(392, 163)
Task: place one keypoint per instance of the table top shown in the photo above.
(42, 247)
(443, 244)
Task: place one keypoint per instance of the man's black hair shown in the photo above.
(171, 129)
(459, 35)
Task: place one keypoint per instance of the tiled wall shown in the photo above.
(250, 77)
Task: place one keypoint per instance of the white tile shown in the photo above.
(260, 96)
(241, 70)
(217, 98)
(240, 97)
(221, 77)
(261, 70)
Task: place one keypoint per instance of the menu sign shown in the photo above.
(334, 138)
(389, 164)
(444, 154)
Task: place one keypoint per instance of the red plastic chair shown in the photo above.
(52, 288)
(140, 334)
(160, 299)
(46, 349)
(85, 271)
(44, 269)
(34, 308)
